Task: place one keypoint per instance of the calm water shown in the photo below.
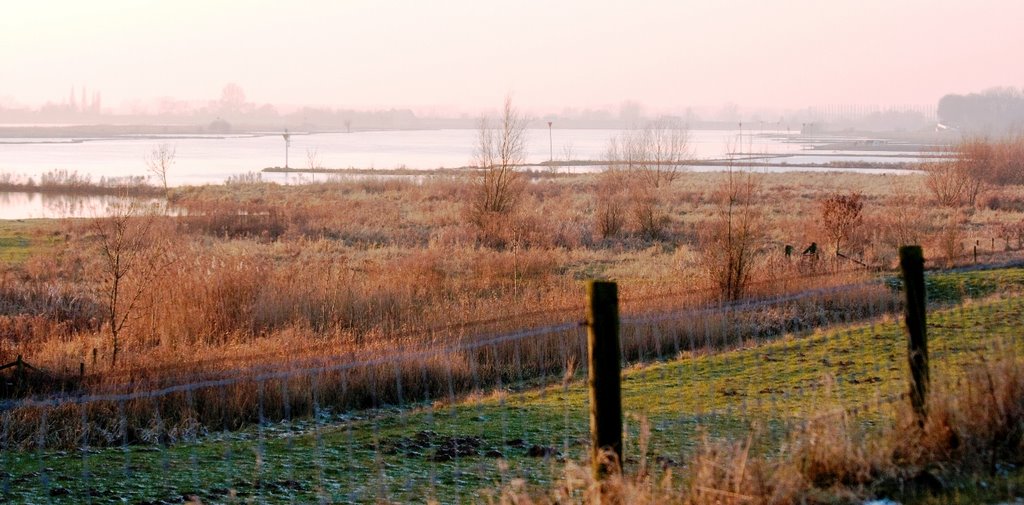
(47, 205)
(212, 159)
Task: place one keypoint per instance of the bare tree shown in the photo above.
(904, 223)
(500, 149)
(313, 159)
(976, 162)
(841, 215)
(664, 150)
(159, 161)
(129, 262)
(650, 159)
(946, 182)
(655, 154)
(730, 241)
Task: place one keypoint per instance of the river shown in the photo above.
(212, 159)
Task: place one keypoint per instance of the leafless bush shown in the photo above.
(841, 215)
(313, 159)
(951, 239)
(641, 164)
(654, 155)
(974, 164)
(730, 242)
(647, 213)
(947, 182)
(497, 189)
(129, 261)
(159, 161)
(612, 202)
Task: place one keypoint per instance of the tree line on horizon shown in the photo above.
(997, 111)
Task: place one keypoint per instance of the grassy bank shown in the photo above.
(452, 450)
(29, 238)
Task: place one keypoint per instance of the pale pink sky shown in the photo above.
(462, 55)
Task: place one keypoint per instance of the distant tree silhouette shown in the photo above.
(992, 112)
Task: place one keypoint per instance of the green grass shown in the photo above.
(389, 453)
(23, 238)
(958, 286)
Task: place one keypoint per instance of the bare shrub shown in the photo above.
(641, 165)
(313, 160)
(646, 210)
(998, 162)
(951, 239)
(1013, 234)
(611, 205)
(975, 159)
(947, 183)
(841, 215)
(497, 189)
(654, 154)
(129, 262)
(1008, 161)
(159, 161)
(730, 242)
(1009, 199)
(972, 165)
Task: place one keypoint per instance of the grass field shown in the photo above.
(24, 238)
(455, 450)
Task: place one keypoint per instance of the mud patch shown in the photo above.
(431, 446)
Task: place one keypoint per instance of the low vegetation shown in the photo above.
(256, 274)
(804, 417)
(251, 277)
(72, 183)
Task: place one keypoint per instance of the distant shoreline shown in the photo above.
(550, 168)
(52, 133)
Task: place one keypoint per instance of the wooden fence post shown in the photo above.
(19, 374)
(912, 265)
(604, 371)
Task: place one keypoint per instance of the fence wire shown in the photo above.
(455, 422)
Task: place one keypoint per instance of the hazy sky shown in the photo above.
(461, 56)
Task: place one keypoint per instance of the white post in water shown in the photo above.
(287, 142)
(551, 146)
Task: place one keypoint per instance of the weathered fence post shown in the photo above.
(912, 264)
(19, 374)
(604, 371)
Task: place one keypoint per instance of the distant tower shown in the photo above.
(84, 103)
(71, 99)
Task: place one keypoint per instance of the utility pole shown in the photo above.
(287, 142)
(551, 145)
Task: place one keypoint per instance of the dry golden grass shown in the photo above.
(276, 277)
(973, 426)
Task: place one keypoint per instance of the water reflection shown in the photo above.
(19, 205)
